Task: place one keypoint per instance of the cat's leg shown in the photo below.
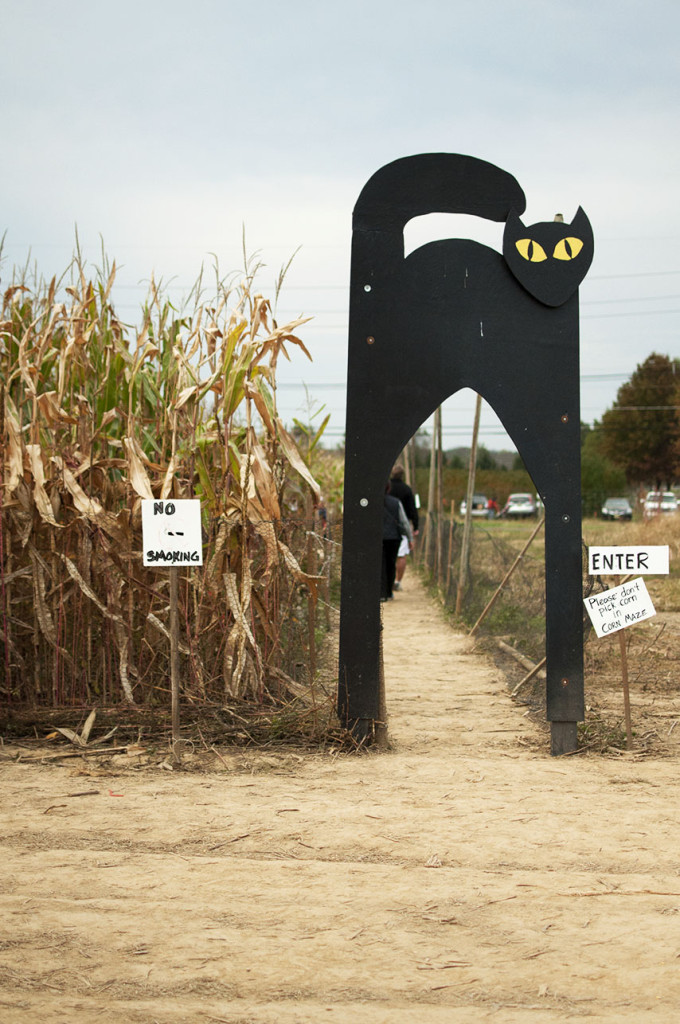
(360, 691)
(543, 418)
(564, 622)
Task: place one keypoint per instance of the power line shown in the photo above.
(618, 277)
(644, 408)
(637, 298)
(642, 312)
(589, 378)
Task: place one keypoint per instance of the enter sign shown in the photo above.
(628, 558)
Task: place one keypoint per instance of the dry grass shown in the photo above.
(518, 618)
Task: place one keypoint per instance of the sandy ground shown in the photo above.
(461, 876)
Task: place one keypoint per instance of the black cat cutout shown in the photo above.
(457, 314)
(550, 260)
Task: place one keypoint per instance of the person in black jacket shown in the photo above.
(395, 526)
(400, 489)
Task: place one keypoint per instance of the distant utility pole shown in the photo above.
(432, 491)
(465, 548)
(440, 496)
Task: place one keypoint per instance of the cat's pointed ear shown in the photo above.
(514, 229)
(581, 223)
(514, 222)
(583, 230)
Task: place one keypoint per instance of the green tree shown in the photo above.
(422, 448)
(641, 432)
(485, 459)
(600, 477)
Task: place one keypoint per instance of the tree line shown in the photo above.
(637, 441)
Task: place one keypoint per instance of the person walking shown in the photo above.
(401, 490)
(395, 527)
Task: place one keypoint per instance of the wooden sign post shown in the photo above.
(171, 532)
(625, 604)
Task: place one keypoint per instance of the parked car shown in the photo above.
(520, 506)
(480, 506)
(617, 508)
(660, 501)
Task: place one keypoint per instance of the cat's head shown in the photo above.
(549, 259)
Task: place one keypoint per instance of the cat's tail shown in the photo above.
(435, 183)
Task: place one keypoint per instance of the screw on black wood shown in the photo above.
(370, 339)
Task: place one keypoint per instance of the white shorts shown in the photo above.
(404, 547)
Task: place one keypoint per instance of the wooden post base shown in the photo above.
(369, 732)
(563, 738)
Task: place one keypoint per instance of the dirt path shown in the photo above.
(463, 876)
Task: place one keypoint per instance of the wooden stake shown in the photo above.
(448, 550)
(311, 601)
(465, 548)
(624, 680)
(440, 501)
(412, 462)
(406, 462)
(505, 579)
(174, 660)
(626, 691)
(430, 541)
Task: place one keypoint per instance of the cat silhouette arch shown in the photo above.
(456, 314)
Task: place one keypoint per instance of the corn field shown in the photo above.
(98, 415)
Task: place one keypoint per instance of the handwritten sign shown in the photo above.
(616, 561)
(619, 607)
(171, 532)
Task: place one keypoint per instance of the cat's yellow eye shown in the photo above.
(530, 250)
(568, 248)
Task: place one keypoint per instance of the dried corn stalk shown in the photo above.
(94, 419)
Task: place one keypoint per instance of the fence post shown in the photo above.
(505, 579)
(465, 547)
(174, 660)
(448, 552)
(440, 502)
(311, 600)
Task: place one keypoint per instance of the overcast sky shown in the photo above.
(167, 127)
